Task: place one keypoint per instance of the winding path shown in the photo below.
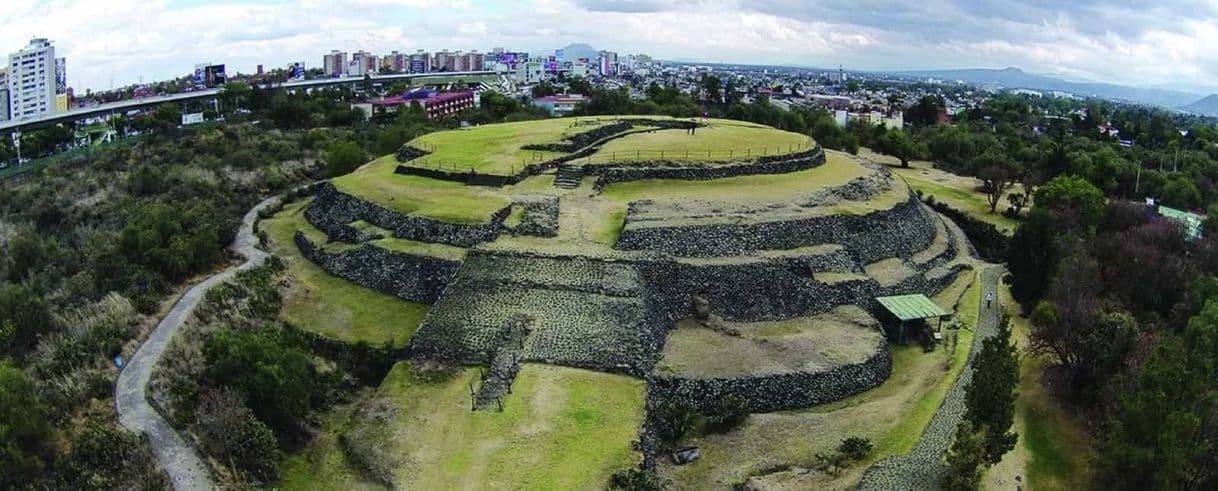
(178, 457)
(923, 467)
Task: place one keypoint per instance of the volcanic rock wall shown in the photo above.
(777, 392)
(584, 312)
(332, 211)
(407, 276)
(898, 232)
(694, 171)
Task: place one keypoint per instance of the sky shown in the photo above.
(111, 43)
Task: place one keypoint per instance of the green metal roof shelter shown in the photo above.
(913, 307)
(1190, 222)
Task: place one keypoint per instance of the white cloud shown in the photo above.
(152, 39)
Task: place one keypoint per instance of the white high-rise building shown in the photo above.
(32, 80)
(4, 94)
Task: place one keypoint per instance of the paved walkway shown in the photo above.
(178, 457)
(923, 467)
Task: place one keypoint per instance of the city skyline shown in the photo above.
(1082, 41)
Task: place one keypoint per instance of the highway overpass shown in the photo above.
(124, 106)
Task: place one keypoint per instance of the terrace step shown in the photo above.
(569, 176)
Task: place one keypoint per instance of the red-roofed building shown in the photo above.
(437, 105)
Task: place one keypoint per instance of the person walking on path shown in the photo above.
(989, 299)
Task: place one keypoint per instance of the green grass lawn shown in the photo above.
(837, 170)
(495, 148)
(561, 428)
(419, 196)
(723, 139)
(321, 465)
(893, 416)
(969, 201)
(319, 302)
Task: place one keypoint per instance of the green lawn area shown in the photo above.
(419, 196)
(321, 465)
(724, 139)
(495, 148)
(561, 428)
(967, 200)
(892, 415)
(319, 302)
(837, 170)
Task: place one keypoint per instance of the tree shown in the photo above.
(236, 95)
(343, 157)
(998, 173)
(1075, 194)
(990, 395)
(1162, 434)
(965, 459)
(925, 112)
(899, 144)
(25, 437)
(1090, 342)
(167, 117)
(272, 370)
(712, 88)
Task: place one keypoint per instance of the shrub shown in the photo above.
(229, 431)
(637, 480)
(855, 448)
(271, 368)
(25, 437)
(105, 456)
(676, 418)
(727, 413)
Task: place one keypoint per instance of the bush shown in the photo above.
(343, 157)
(855, 448)
(273, 370)
(676, 418)
(991, 244)
(25, 437)
(105, 456)
(637, 480)
(230, 432)
(727, 413)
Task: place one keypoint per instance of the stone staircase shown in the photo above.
(497, 380)
(569, 176)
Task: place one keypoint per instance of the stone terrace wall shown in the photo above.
(407, 153)
(585, 312)
(406, 276)
(898, 232)
(540, 216)
(687, 170)
(581, 140)
(777, 392)
(332, 211)
(473, 178)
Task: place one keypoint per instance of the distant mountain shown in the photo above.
(1207, 106)
(572, 52)
(1014, 78)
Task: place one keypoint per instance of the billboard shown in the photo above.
(418, 65)
(296, 71)
(209, 75)
(61, 75)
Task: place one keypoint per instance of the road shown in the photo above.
(178, 457)
(923, 467)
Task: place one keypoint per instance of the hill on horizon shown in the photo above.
(1206, 106)
(1015, 78)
